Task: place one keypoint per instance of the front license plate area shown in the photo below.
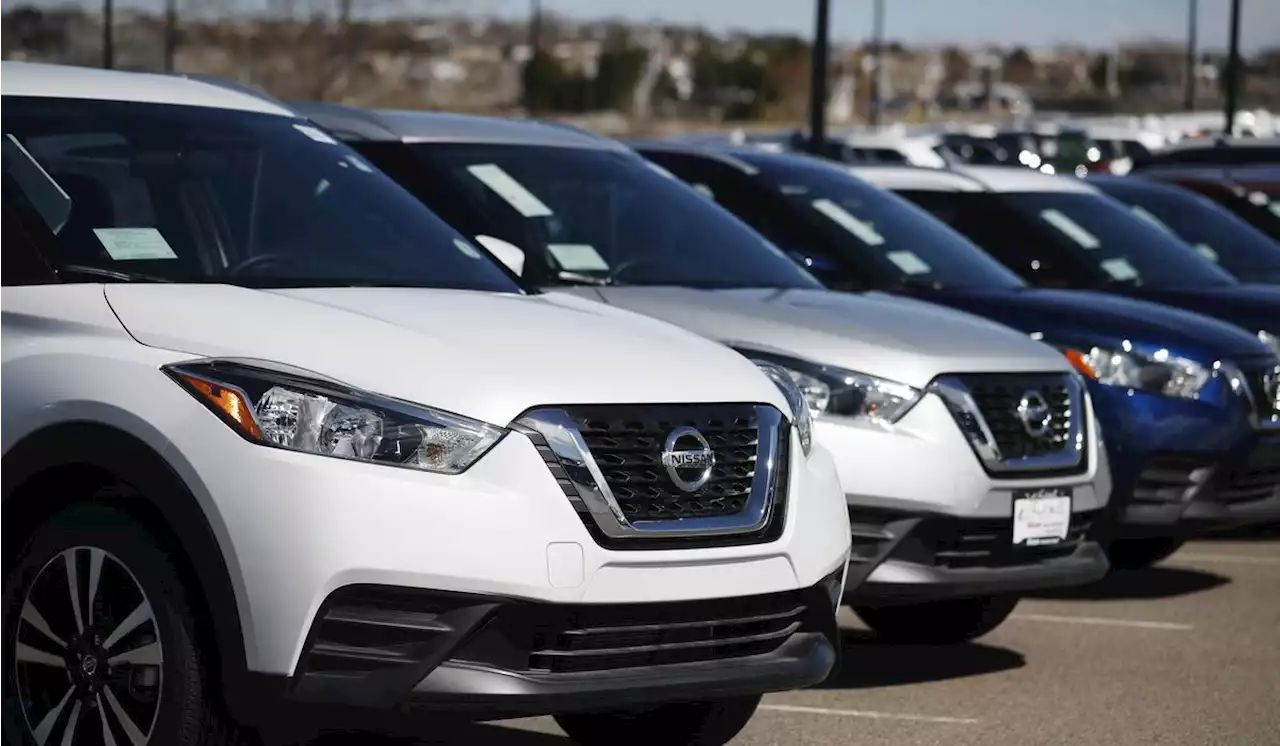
(1041, 517)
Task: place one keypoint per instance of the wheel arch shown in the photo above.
(60, 464)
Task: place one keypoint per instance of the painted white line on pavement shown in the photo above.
(868, 714)
(1241, 559)
(1102, 621)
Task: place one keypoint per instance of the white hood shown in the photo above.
(483, 355)
(884, 335)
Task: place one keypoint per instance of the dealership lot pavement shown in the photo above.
(1186, 653)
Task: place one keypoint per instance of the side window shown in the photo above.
(1007, 237)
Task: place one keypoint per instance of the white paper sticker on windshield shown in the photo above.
(909, 262)
(1119, 269)
(1074, 230)
(466, 248)
(1206, 251)
(315, 134)
(862, 229)
(1150, 218)
(578, 257)
(128, 244)
(511, 190)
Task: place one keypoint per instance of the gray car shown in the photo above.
(968, 453)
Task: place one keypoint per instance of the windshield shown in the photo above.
(1211, 230)
(1264, 195)
(904, 244)
(156, 192)
(1101, 234)
(599, 216)
(1088, 239)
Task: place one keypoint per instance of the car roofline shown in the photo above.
(417, 126)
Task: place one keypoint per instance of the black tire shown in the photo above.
(1139, 554)
(713, 723)
(169, 702)
(938, 622)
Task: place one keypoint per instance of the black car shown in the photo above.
(1252, 192)
(1215, 232)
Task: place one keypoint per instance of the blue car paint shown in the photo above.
(1251, 307)
(1135, 424)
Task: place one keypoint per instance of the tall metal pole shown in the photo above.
(108, 43)
(535, 26)
(818, 78)
(877, 41)
(1231, 92)
(170, 34)
(1189, 81)
(535, 44)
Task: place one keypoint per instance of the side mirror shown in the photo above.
(507, 252)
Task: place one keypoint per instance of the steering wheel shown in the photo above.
(259, 260)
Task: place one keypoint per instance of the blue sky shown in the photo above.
(1032, 22)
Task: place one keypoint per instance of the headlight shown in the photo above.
(283, 410)
(1270, 340)
(834, 391)
(795, 399)
(1157, 373)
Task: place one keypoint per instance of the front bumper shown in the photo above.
(904, 559)
(1185, 494)
(295, 527)
(924, 465)
(482, 657)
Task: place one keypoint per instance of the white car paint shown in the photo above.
(294, 526)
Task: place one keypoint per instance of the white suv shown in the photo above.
(277, 438)
(968, 452)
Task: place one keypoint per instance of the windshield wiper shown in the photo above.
(111, 274)
(576, 278)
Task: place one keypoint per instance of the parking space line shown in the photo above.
(871, 714)
(1103, 621)
(1240, 559)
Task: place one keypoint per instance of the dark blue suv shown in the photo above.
(1188, 403)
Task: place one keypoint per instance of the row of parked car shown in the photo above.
(328, 415)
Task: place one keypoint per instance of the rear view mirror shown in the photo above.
(506, 252)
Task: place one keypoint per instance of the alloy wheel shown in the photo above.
(87, 653)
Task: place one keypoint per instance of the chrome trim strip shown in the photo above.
(956, 395)
(566, 442)
(1241, 386)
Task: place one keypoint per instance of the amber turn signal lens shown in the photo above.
(228, 401)
(1080, 363)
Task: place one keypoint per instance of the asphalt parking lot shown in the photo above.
(1185, 653)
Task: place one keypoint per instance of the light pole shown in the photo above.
(535, 44)
(877, 41)
(818, 78)
(108, 43)
(170, 33)
(1232, 90)
(1189, 81)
